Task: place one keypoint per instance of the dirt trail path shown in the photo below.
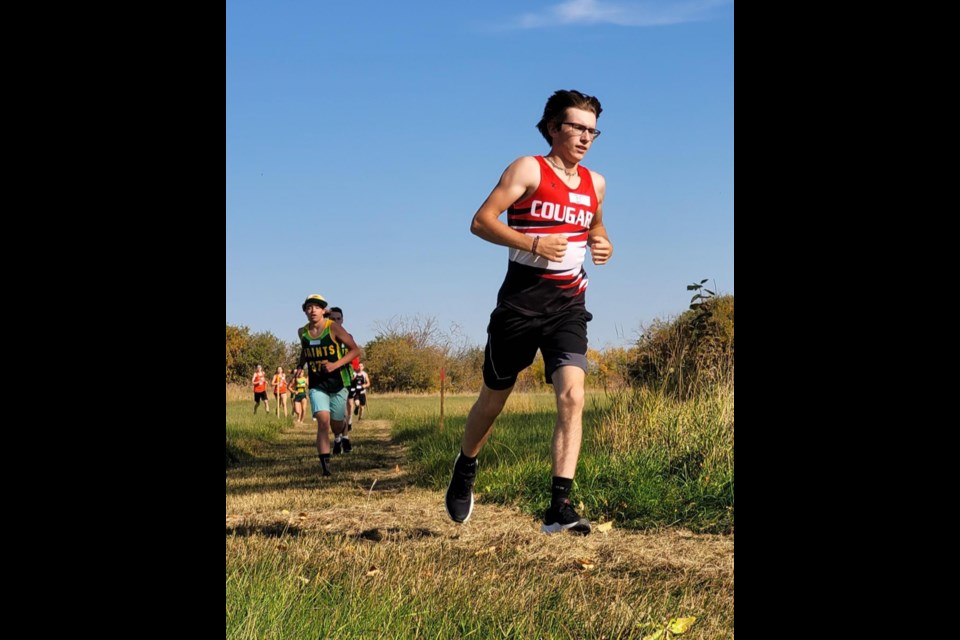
(371, 498)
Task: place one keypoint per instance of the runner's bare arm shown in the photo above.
(519, 180)
(341, 335)
(600, 246)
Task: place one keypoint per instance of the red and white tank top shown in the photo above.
(535, 285)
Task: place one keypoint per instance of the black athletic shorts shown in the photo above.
(361, 398)
(513, 340)
(259, 395)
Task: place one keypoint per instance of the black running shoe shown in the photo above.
(337, 447)
(459, 499)
(347, 446)
(565, 519)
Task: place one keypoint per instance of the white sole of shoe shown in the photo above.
(557, 527)
(469, 513)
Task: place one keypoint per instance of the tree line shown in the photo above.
(681, 355)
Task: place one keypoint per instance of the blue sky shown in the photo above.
(361, 138)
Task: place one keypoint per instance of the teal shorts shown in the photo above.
(334, 403)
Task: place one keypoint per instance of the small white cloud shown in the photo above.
(642, 13)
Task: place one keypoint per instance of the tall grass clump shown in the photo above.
(247, 432)
(653, 459)
(648, 458)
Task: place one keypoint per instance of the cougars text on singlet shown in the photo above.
(537, 286)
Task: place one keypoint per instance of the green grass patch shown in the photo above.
(646, 460)
(337, 589)
(247, 432)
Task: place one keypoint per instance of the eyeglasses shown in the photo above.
(579, 128)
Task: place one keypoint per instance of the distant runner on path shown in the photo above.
(320, 352)
(259, 382)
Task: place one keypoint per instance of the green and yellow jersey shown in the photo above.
(325, 348)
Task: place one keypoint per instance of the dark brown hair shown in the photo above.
(556, 109)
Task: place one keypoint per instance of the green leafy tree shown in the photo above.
(237, 340)
(245, 351)
(608, 368)
(465, 369)
(403, 356)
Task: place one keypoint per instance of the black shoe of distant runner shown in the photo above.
(337, 447)
(347, 445)
(565, 519)
(459, 498)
